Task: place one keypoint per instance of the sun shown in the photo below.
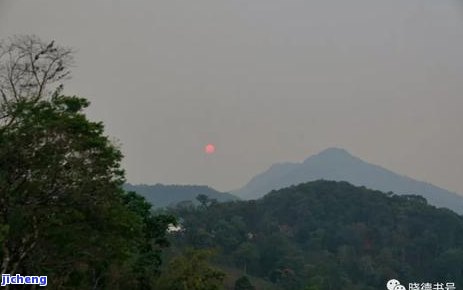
(209, 149)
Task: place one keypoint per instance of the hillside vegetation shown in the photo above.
(330, 235)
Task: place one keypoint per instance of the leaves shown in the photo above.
(330, 235)
(191, 271)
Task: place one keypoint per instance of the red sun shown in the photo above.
(209, 149)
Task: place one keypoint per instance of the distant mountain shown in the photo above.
(339, 165)
(160, 195)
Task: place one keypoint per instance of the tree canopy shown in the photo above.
(330, 235)
(63, 212)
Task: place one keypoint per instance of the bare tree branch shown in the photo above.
(30, 68)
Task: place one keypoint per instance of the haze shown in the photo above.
(265, 81)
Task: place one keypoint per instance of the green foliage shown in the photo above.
(205, 200)
(63, 212)
(330, 235)
(243, 283)
(147, 261)
(191, 271)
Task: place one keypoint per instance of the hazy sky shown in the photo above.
(264, 80)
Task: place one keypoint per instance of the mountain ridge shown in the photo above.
(338, 164)
(164, 195)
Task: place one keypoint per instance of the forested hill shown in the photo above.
(339, 165)
(160, 195)
(330, 235)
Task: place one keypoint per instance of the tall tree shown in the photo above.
(63, 212)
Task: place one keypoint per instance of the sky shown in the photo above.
(265, 81)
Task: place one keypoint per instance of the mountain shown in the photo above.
(330, 235)
(339, 165)
(160, 195)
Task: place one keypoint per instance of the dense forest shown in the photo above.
(329, 235)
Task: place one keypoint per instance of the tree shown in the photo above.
(63, 212)
(148, 259)
(243, 283)
(191, 271)
(30, 68)
(60, 183)
(205, 200)
(245, 255)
